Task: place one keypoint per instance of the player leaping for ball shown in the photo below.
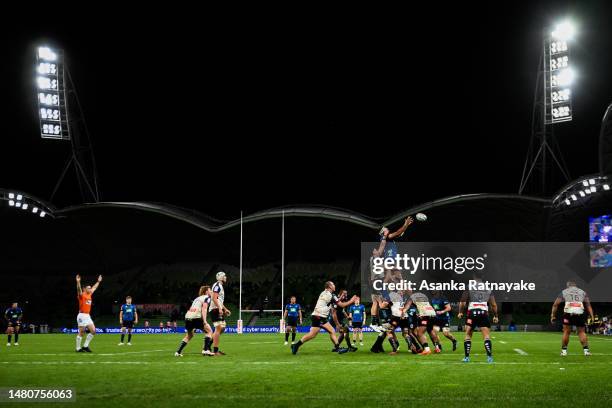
(83, 318)
(478, 302)
(575, 301)
(327, 298)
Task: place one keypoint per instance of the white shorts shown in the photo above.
(84, 320)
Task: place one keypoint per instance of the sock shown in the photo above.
(393, 343)
(215, 349)
(438, 346)
(298, 344)
(17, 339)
(129, 337)
(78, 342)
(585, 348)
(181, 347)
(207, 343)
(467, 346)
(286, 336)
(425, 346)
(564, 348)
(488, 347)
(348, 341)
(292, 337)
(340, 338)
(88, 339)
(379, 341)
(9, 338)
(336, 345)
(122, 337)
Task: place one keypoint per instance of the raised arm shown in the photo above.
(348, 302)
(78, 284)
(402, 229)
(95, 286)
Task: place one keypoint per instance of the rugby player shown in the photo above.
(575, 302)
(357, 317)
(386, 319)
(425, 319)
(195, 318)
(339, 316)
(218, 311)
(13, 316)
(293, 312)
(442, 320)
(478, 302)
(387, 249)
(327, 298)
(128, 317)
(83, 318)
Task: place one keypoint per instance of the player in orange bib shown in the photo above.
(83, 318)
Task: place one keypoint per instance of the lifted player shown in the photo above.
(478, 302)
(575, 301)
(13, 316)
(293, 311)
(442, 320)
(83, 318)
(319, 318)
(195, 318)
(128, 317)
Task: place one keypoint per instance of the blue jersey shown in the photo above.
(293, 309)
(440, 304)
(13, 314)
(129, 312)
(390, 250)
(357, 311)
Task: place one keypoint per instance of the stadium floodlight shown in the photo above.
(581, 193)
(11, 203)
(564, 31)
(567, 201)
(42, 214)
(18, 204)
(35, 210)
(593, 189)
(592, 182)
(45, 53)
(588, 191)
(19, 197)
(12, 196)
(606, 187)
(24, 206)
(585, 183)
(574, 197)
(563, 77)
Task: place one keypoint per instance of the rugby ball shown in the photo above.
(421, 217)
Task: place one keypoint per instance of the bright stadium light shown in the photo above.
(24, 206)
(588, 191)
(593, 189)
(567, 201)
(45, 53)
(592, 182)
(574, 197)
(11, 203)
(18, 204)
(606, 187)
(42, 214)
(581, 193)
(19, 197)
(564, 31)
(564, 77)
(12, 196)
(585, 183)
(35, 210)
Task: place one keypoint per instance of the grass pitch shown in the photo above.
(259, 371)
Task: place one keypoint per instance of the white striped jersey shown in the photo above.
(574, 300)
(195, 311)
(324, 303)
(479, 300)
(218, 288)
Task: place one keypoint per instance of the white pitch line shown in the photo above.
(266, 342)
(91, 362)
(521, 352)
(503, 342)
(131, 352)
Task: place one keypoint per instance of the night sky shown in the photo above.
(371, 111)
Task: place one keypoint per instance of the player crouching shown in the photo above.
(195, 318)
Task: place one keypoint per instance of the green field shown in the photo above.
(259, 371)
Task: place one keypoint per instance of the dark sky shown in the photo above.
(372, 111)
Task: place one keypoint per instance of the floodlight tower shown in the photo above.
(552, 104)
(61, 118)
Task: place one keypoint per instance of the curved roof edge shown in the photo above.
(210, 224)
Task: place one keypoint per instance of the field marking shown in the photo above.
(93, 362)
(502, 342)
(132, 352)
(98, 354)
(521, 352)
(267, 342)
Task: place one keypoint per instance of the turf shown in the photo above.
(259, 371)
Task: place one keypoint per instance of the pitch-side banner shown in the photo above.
(512, 271)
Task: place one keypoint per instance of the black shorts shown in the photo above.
(357, 325)
(406, 323)
(128, 324)
(477, 318)
(441, 323)
(216, 316)
(14, 323)
(574, 320)
(318, 321)
(292, 321)
(192, 324)
(426, 321)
